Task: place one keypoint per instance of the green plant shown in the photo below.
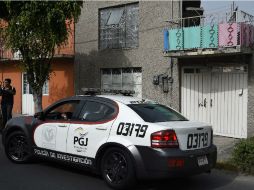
(243, 155)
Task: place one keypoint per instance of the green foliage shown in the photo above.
(35, 29)
(243, 155)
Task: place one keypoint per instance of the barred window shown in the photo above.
(129, 78)
(119, 27)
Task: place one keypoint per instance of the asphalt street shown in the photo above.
(44, 175)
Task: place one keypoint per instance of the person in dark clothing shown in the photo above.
(7, 92)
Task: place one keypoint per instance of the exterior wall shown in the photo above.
(89, 59)
(61, 84)
(251, 96)
(68, 47)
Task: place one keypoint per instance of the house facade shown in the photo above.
(119, 45)
(167, 52)
(60, 85)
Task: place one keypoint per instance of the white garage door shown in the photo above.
(218, 96)
(122, 79)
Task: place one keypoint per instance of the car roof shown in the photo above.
(116, 98)
(103, 98)
(108, 98)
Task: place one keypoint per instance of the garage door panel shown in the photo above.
(245, 102)
(217, 96)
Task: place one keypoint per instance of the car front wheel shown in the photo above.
(117, 169)
(17, 148)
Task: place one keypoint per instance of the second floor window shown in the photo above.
(118, 27)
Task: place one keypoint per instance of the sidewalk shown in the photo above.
(225, 146)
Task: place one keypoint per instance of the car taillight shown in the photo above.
(164, 139)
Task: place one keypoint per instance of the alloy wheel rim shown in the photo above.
(116, 168)
(18, 148)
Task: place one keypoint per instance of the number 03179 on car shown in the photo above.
(197, 140)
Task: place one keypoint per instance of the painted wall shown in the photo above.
(68, 47)
(61, 84)
(89, 59)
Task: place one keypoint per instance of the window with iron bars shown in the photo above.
(118, 27)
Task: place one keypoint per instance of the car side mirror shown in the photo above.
(39, 115)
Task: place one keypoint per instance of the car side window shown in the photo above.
(63, 111)
(96, 111)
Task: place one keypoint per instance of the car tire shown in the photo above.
(117, 169)
(17, 148)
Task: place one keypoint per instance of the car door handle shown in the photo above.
(62, 125)
(101, 128)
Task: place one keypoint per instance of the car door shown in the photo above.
(92, 128)
(51, 133)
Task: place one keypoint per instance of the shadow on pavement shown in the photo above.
(216, 180)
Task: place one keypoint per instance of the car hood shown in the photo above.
(20, 120)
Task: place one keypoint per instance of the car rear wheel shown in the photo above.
(117, 169)
(17, 148)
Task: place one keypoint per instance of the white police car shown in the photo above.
(121, 137)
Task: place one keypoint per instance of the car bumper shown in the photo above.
(164, 163)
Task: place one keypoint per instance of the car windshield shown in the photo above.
(156, 113)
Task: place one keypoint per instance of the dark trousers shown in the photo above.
(6, 112)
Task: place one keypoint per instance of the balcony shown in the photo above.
(64, 51)
(228, 33)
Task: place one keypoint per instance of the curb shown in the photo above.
(227, 165)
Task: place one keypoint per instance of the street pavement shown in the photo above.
(45, 175)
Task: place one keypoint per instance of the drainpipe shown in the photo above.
(172, 9)
(171, 80)
(181, 11)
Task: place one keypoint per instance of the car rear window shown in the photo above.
(156, 113)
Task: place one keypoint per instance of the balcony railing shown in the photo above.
(66, 50)
(63, 51)
(235, 31)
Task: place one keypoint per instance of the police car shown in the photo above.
(121, 137)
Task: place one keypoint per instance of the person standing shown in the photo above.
(7, 92)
